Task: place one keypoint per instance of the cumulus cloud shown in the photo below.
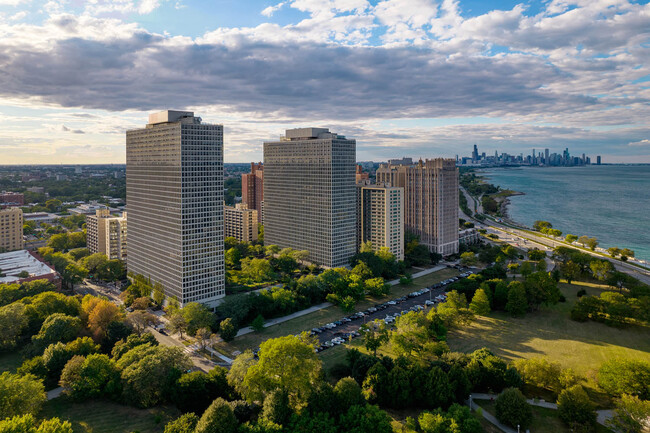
(268, 12)
(644, 142)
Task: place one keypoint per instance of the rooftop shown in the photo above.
(15, 262)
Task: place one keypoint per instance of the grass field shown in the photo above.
(109, 417)
(326, 315)
(544, 420)
(550, 333)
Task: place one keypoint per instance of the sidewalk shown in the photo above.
(271, 322)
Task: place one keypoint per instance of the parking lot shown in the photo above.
(348, 326)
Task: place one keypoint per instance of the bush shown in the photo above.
(227, 329)
(512, 409)
(581, 293)
(184, 424)
(574, 407)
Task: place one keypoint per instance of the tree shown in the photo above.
(375, 335)
(286, 363)
(480, 303)
(102, 314)
(517, 304)
(258, 323)
(574, 407)
(227, 329)
(177, 323)
(439, 391)
(536, 255)
(94, 261)
(57, 327)
(631, 415)
(13, 321)
(203, 337)
(218, 418)
(158, 293)
(377, 287)
(276, 407)
(366, 419)
(526, 269)
(197, 316)
(601, 269)
(90, 377)
(141, 320)
(348, 393)
(186, 423)
(541, 288)
(625, 376)
(539, 225)
(27, 424)
(149, 373)
(73, 274)
(613, 251)
(570, 271)
(571, 238)
(468, 259)
(141, 303)
(233, 258)
(512, 409)
(20, 395)
(257, 270)
(627, 252)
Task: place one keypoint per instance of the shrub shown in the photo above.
(574, 407)
(581, 293)
(512, 409)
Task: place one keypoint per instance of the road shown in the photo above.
(199, 362)
(521, 236)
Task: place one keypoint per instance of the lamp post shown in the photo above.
(517, 428)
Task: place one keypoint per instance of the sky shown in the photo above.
(418, 78)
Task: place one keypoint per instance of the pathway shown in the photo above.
(54, 393)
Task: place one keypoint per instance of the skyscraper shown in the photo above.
(252, 189)
(430, 201)
(174, 194)
(309, 194)
(474, 154)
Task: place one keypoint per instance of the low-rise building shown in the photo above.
(11, 229)
(16, 264)
(8, 198)
(106, 234)
(240, 223)
(469, 236)
(87, 208)
(41, 217)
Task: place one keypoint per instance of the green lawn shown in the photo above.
(544, 420)
(326, 315)
(550, 333)
(10, 361)
(108, 417)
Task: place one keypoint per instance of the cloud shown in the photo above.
(268, 12)
(74, 131)
(644, 142)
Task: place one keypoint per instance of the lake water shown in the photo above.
(609, 202)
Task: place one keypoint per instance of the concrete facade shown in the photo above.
(309, 194)
(240, 223)
(430, 200)
(11, 229)
(107, 234)
(174, 188)
(380, 210)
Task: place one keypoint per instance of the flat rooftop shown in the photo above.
(14, 262)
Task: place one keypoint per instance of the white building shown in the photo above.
(107, 234)
(381, 217)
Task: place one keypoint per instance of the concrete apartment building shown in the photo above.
(430, 200)
(309, 194)
(252, 189)
(240, 223)
(174, 194)
(380, 217)
(107, 234)
(11, 229)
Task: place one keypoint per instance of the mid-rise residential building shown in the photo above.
(11, 229)
(8, 199)
(430, 200)
(240, 223)
(381, 218)
(174, 194)
(309, 194)
(252, 189)
(107, 234)
(360, 175)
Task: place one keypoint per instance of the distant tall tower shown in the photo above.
(534, 159)
(252, 189)
(598, 160)
(475, 154)
(430, 201)
(310, 194)
(174, 196)
(546, 157)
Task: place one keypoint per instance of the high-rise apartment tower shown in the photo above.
(11, 229)
(380, 214)
(174, 194)
(430, 201)
(309, 194)
(252, 189)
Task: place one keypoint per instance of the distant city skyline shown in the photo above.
(404, 77)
